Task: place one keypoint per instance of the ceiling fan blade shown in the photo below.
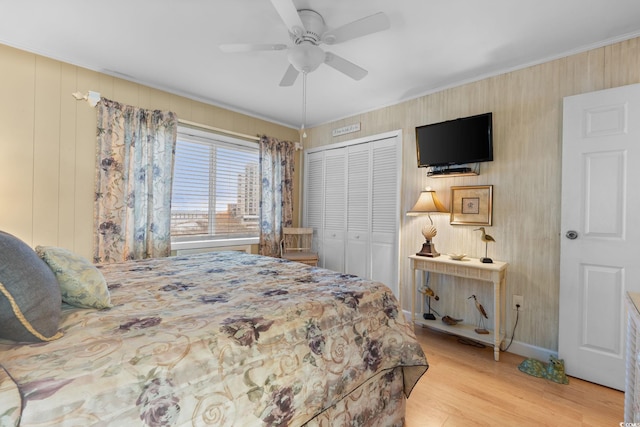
(245, 47)
(344, 66)
(362, 27)
(290, 76)
(289, 15)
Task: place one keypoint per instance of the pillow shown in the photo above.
(10, 400)
(30, 300)
(81, 283)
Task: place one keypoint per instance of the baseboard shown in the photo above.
(517, 347)
(528, 350)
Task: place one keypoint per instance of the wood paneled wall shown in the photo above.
(47, 164)
(47, 144)
(525, 173)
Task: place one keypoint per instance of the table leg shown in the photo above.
(496, 321)
(413, 295)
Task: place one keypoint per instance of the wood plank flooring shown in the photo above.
(464, 386)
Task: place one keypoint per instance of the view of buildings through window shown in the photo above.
(215, 188)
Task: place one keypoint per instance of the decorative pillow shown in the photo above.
(30, 300)
(81, 283)
(10, 400)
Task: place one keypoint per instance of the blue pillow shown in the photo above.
(30, 299)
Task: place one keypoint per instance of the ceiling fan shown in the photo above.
(307, 31)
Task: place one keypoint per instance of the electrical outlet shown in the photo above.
(518, 300)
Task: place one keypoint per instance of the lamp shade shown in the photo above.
(427, 203)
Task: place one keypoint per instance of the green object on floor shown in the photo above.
(554, 370)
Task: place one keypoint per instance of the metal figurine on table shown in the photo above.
(428, 292)
(481, 329)
(486, 239)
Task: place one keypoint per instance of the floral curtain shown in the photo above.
(134, 172)
(276, 184)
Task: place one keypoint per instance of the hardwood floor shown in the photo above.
(464, 386)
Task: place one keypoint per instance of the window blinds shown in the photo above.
(215, 187)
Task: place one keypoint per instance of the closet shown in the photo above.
(352, 201)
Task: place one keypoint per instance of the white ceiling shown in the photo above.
(173, 45)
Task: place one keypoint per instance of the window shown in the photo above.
(216, 192)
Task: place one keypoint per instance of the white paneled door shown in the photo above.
(600, 242)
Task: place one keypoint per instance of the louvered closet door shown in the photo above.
(385, 219)
(334, 208)
(353, 199)
(358, 209)
(314, 201)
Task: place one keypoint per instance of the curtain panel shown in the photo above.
(276, 188)
(134, 170)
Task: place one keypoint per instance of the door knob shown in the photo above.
(571, 235)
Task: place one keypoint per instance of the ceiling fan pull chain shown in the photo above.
(304, 103)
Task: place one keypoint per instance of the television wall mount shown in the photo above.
(469, 169)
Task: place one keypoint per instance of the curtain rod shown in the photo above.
(219, 130)
(94, 97)
(91, 97)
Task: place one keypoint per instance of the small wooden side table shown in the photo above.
(471, 268)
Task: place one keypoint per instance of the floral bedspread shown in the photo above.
(223, 338)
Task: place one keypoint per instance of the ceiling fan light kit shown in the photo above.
(306, 57)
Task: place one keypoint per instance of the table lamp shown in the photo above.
(427, 204)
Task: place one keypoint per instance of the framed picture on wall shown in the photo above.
(471, 205)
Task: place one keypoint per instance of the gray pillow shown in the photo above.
(30, 298)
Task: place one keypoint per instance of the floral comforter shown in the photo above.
(224, 339)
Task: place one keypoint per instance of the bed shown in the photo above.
(219, 339)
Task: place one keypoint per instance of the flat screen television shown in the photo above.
(455, 142)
